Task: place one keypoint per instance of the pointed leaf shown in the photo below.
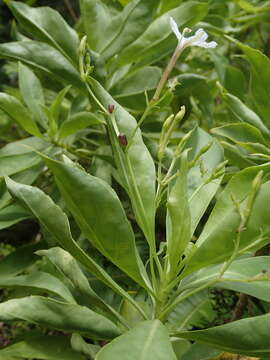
(90, 205)
(217, 241)
(78, 121)
(158, 40)
(32, 94)
(41, 347)
(58, 315)
(141, 164)
(46, 24)
(42, 57)
(178, 217)
(47, 212)
(249, 336)
(15, 109)
(38, 280)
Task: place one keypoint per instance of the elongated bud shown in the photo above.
(111, 108)
(180, 115)
(122, 140)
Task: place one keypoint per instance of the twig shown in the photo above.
(71, 10)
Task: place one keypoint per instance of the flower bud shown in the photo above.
(111, 108)
(122, 140)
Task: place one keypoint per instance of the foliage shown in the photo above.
(148, 196)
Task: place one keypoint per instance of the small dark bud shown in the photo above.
(111, 108)
(264, 271)
(122, 140)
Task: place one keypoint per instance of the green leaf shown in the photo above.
(249, 337)
(249, 276)
(96, 17)
(126, 27)
(244, 113)
(141, 169)
(196, 310)
(77, 122)
(201, 352)
(80, 286)
(40, 281)
(235, 81)
(260, 80)
(12, 214)
(41, 347)
(158, 40)
(130, 90)
(216, 246)
(90, 205)
(15, 109)
(58, 315)
(46, 24)
(178, 218)
(12, 164)
(148, 340)
(200, 191)
(80, 345)
(245, 135)
(42, 57)
(32, 94)
(46, 212)
(19, 260)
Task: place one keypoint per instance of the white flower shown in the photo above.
(199, 39)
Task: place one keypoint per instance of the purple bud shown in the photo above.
(111, 108)
(122, 140)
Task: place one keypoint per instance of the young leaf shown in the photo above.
(58, 315)
(90, 204)
(148, 340)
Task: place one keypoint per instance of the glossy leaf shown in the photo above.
(32, 94)
(46, 212)
(58, 315)
(12, 164)
(16, 110)
(41, 347)
(77, 122)
(38, 280)
(149, 339)
(141, 164)
(216, 246)
(42, 56)
(80, 345)
(46, 24)
(90, 205)
(248, 336)
(158, 41)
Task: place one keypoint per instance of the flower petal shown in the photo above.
(175, 29)
(210, 45)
